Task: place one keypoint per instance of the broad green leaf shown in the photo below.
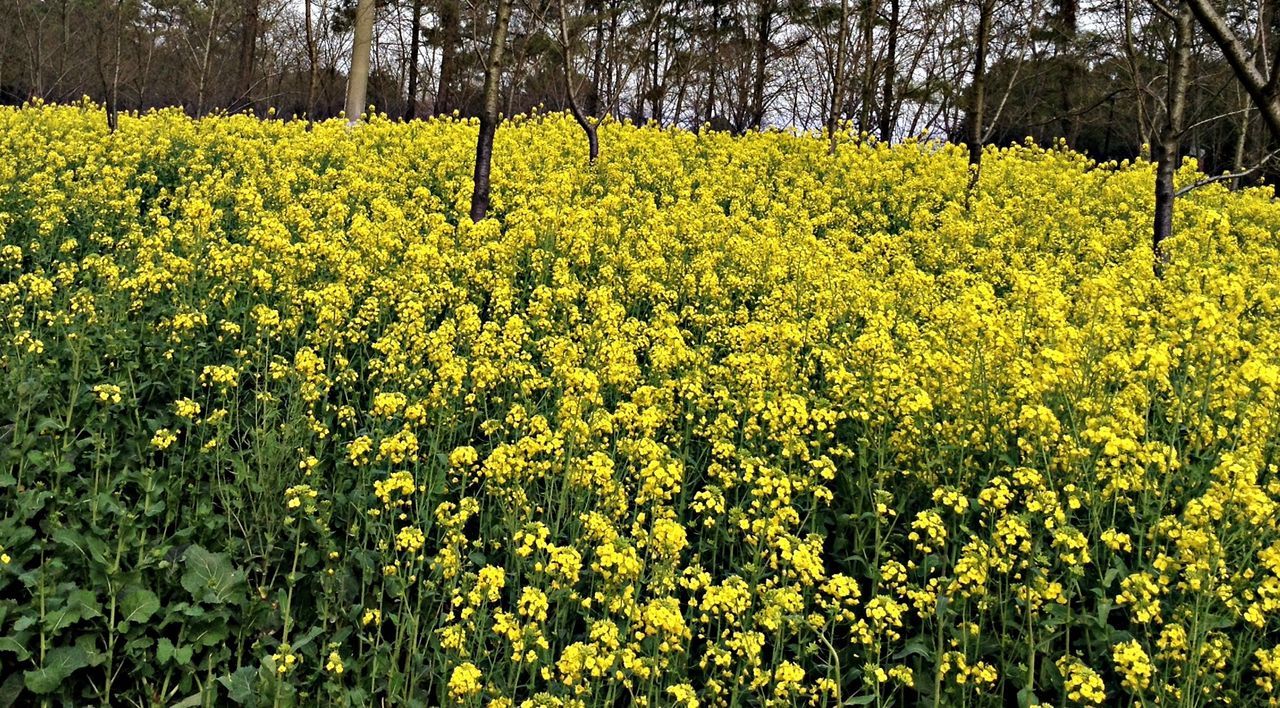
(240, 685)
(138, 605)
(164, 650)
(209, 577)
(59, 664)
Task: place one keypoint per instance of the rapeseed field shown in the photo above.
(718, 421)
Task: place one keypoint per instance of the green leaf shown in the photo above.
(17, 645)
(164, 650)
(138, 605)
(240, 685)
(59, 664)
(195, 699)
(11, 690)
(209, 577)
(79, 605)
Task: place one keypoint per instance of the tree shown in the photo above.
(887, 114)
(593, 141)
(978, 98)
(1165, 145)
(838, 78)
(449, 40)
(358, 80)
(489, 112)
(411, 105)
(249, 19)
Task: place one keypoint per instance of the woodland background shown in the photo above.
(1091, 73)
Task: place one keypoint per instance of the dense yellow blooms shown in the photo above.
(717, 421)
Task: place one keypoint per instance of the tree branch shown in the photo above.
(1238, 57)
(1223, 177)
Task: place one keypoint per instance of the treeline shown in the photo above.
(1095, 74)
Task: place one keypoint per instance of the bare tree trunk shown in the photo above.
(1242, 142)
(868, 26)
(411, 108)
(358, 80)
(593, 142)
(313, 75)
(979, 90)
(203, 82)
(715, 62)
(888, 115)
(489, 114)
(113, 107)
(1165, 146)
(1066, 37)
(656, 91)
(248, 47)
(838, 78)
(764, 28)
(597, 60)
(448, 13)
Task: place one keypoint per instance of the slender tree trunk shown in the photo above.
(113, 108)
(656, 94)
(838, 78)
(868, 26)
(764, 28)
(203, 83)
(313, 76)
(415, 39)
(888, 114)
(597, 60)
(1242, 142)
(489, 114)
(358, 80)
(65, 49)
(978, 100)
(593, 142)
(449, 39)
(1165, 146)
(715, 62)
(248, 48)
(1066, 37)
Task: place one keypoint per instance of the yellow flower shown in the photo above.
(464, 682)
(163, 438)
(334, 664)
(108, 393)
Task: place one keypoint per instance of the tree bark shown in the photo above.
(868, 26)
(593, 141)
(415, 40)
(979, 90)
(1165, 146)
(597, 60)
(449, 40)
(248, 49)
(113, 107)
(764, 28)
(715, 62)
(313, 76)
(358, 79)
(1065, 38)
(489, 114)
(888, 114)
(838, 78)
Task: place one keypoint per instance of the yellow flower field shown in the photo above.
(716, 422)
